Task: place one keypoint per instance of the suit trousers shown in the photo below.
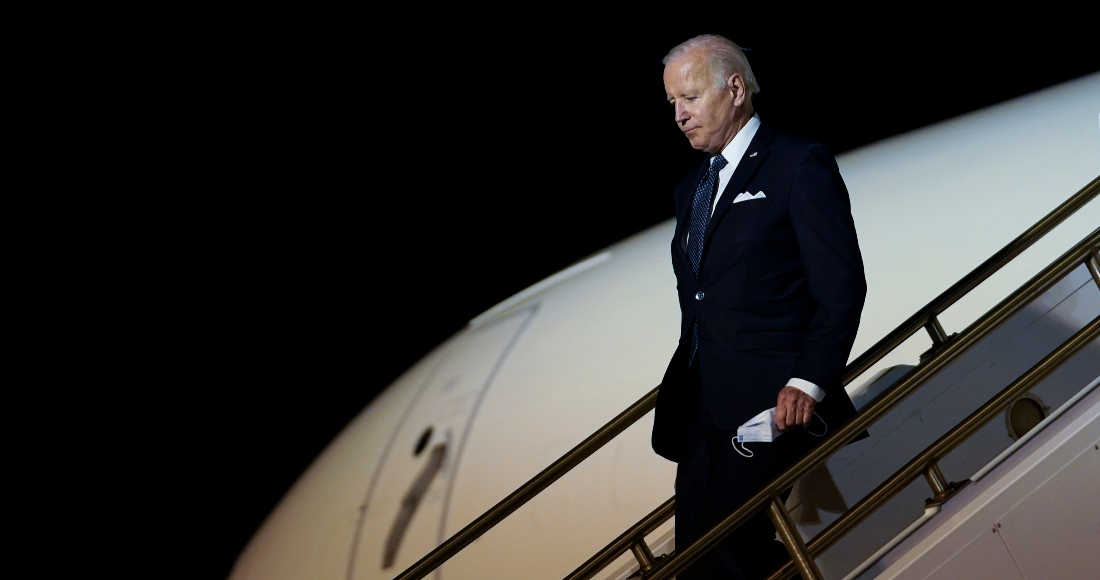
(712, 480)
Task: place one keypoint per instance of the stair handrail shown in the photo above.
(1085, 251)
(926, 462)
(533, 487)
(925, 317)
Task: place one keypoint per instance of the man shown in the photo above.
(771, 287)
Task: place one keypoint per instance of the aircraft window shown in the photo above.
(423, 442)
(1024, 414)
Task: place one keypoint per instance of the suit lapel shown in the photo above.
(746, 168)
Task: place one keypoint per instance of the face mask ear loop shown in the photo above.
(739, 450)
(822, 423)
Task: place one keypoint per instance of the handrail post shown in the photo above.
(935, 330)
(942, 490)
(605, 556)
(936, 480)
(938, 335)
(642, 553)
(1093, 264)
(796, 547)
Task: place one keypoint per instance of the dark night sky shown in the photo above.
(307, 203)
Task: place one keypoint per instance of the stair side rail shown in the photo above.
(926, 318)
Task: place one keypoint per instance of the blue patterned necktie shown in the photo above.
(700, 215)
(700, 211)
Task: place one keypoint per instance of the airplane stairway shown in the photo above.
(1029, 514)
(994, 429)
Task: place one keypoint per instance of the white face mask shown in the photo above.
(763, 429)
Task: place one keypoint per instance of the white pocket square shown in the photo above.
(747, 196)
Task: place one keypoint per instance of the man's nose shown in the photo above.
(681, 115)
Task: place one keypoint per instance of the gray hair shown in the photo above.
(724, 58)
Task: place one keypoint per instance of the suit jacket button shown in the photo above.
(699, 295)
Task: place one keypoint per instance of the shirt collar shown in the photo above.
(740, 143)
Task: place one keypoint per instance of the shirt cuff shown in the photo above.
(807, 387)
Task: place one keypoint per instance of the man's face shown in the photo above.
(706, 114)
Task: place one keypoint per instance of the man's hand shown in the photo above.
(793, 407)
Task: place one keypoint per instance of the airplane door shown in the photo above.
(406, 506)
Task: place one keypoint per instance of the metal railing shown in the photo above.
(945, 348)
(1085, 251)
(536, 484)
(926, 462)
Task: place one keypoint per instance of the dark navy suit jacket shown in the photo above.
(779, 293)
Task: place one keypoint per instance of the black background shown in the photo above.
(288, 208)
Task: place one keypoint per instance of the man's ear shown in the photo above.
(736, 86)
